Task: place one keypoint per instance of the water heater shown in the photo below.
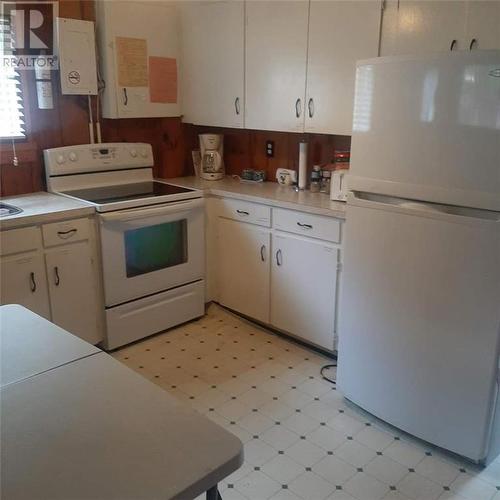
(77, 56)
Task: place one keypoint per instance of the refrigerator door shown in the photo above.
(419, 322)
(428, 128)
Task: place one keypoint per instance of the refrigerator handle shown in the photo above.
(424, 209)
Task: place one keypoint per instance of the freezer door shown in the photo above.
(419, 319)
(428, 128)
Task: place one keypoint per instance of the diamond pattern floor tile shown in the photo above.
(302, 439)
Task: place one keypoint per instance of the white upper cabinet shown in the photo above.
(340, 33)
(213, 62)
(130, 34)
(483, 24)
(276, 56)
(420, 26)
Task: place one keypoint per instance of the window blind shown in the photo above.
(12, 124)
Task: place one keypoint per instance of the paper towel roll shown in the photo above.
(302, 165)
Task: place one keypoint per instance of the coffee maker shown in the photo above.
(211, 152)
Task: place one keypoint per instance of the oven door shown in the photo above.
(148, 250)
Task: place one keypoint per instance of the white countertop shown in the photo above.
(269, 193)
(43, 207)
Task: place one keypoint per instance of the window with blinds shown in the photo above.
(12, 124)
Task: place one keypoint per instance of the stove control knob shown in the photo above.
(133, 153)
(144, 153)
(60, 159)
(73, 156)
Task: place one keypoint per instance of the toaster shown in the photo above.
(338, 186)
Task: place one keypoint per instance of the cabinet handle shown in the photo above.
(472, 43)
(298, 108)
(305, 226)
(66, 234)
(262, 250)
(57, 279)
(310, 106)
(237, 105)
(242, 212)
(279, 258)
(452, 45)
(32, 282)
(125, 96)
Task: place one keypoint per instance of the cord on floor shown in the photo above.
(327, 367)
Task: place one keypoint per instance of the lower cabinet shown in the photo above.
(281, 278)
(243, 268)
(73, 296)
(23, 281)
(50, 269)
(303, 288)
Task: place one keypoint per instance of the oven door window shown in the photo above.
(152, 248)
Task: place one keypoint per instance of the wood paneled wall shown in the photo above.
(247, 148)
(67, 124)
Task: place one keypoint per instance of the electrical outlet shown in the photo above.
(270, 149)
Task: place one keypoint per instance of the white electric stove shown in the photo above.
(151, 235)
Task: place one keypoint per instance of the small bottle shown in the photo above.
(325, 181)
(315, 185)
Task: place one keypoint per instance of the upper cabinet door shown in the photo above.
(483, 24)
(420, 26)
(340, 33)
(276, 55)
(213, 62)
(139, 48)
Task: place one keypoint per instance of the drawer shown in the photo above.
(245, 211)
(20, 240)
(68, 231)
(315, 226)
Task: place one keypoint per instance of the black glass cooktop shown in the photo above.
(126, 192)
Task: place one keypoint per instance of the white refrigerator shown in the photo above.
(419, 321)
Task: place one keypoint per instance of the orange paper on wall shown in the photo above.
(163, 79)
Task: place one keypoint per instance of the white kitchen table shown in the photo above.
(94, 429)
(30, 345)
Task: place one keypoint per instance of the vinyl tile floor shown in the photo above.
(302, 439)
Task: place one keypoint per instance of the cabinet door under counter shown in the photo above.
(284, 275)
(52, 270)
(304, 288)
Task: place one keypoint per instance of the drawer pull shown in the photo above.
(243, 212)
(453, 44)
(57, 279)
(32, 282)
(279, 258)
(262, 250)
(66, 234)
(304, 226)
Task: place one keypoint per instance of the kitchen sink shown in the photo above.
(6, 210)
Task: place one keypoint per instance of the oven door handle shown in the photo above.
(144, 213)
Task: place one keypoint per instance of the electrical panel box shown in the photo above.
(77, 56)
